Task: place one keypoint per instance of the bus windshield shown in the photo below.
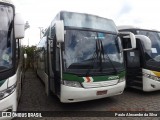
(80, 20)
(6, 22)
(154, 54)
(80, 50)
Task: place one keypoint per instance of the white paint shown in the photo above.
(81, 94)
(154, 50)
(147, 82)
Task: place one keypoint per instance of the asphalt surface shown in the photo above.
(33, 98)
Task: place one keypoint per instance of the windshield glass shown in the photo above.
(154, 53)
(80, 20)
(6, 18)
(81, 50)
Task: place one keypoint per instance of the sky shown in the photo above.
(40, 13)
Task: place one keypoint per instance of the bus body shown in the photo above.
(11, 31)
(80, 58)
(143, 63)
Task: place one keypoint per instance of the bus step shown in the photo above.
(138, 81)
(139, 76)
(137, 87)
(135, 77)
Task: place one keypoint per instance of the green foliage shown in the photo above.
(30, 51)
(30, 55)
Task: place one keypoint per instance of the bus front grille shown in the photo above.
(99, 84)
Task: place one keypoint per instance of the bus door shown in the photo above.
(54, 66)
(133, 66)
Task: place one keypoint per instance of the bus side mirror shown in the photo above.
(19, 26)
(25, 55)
(132, 38)
(146, 41)
(59, 27)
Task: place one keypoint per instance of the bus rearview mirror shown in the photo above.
(146, 41)
(19, 26)
(130, 36)
(59, 26)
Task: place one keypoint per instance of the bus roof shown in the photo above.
(6, 1)
(84, 20)
(82, 13)
(123, 27)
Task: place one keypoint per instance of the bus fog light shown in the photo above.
(7, 92)
(146, 75)
(72, 83)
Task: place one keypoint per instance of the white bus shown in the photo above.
(143, 63)
(80, 57)
(11, 31)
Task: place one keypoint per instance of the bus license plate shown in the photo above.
(102, 92)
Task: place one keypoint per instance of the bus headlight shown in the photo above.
(7, 91)
(151, 77)
(72, 83)
(122, 79)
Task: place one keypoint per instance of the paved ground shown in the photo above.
(34, 99)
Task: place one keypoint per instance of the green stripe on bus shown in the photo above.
(1, 82)
(71, 77)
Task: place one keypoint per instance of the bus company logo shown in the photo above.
(6, 114)
(113, 77)
(88, 79)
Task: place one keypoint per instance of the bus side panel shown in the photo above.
(44, 78)
(41, 71)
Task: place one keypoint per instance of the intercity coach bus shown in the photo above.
(11, 31)
(143, 63)
(80, 57)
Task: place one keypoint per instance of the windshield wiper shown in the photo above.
(94, 58)
(98, 55)
(102, 53)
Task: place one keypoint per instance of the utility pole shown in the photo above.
(26, 25)
(40, 28)
(28, 42)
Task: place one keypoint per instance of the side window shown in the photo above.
(52, 35)
(54, 50)
(45, 61)
(17, 50)
(52, 32)
(42, 56)
(57, 59)
(42, 60)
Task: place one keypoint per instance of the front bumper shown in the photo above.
(73, 94)
(8, 104)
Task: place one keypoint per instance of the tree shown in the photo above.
(30, 55)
